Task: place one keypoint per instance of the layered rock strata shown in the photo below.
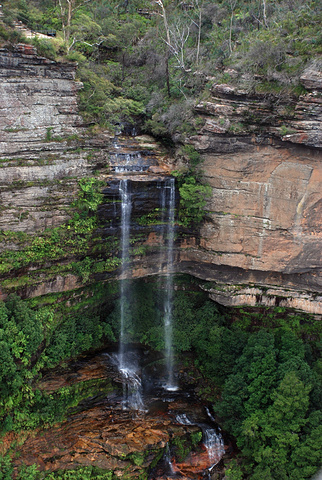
(262, 157)
(44, 146)
(39, 124)
(45, 149)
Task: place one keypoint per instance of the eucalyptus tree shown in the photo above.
(67, 12)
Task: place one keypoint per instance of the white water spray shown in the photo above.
(183, 419)
(127, 364)
(168, 328)
(168, 463)
(214, 444)
(125, 247)
(132, 388)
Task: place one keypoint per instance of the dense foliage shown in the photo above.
(266, 366)
(261, 369)
(36, 339)
(150, 60)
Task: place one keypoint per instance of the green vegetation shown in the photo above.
(89, 196)
(32, 473)
(32, 340)
(193, 193)
(73, 239)
(67, 240)
(193, 199)
(150, 61)
(263, 371)
(260, 368)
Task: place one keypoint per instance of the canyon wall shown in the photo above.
(262, 157)
(38, 121)
(261, 242)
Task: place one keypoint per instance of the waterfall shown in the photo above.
(183, 419)
(125, 247)
(167, 460)
(214, 445)
(129, 162)
(168, 340)
(127, 360)
(132, 384)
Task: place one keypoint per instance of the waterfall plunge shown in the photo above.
(168, 197)
(128, 367)
(125, 247)
(127, 360)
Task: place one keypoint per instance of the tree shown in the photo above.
(67, 11)
(271, 436)
(232, 6)
(85, 31)
(197, 23)
(306, 458)
(193, 199)
(168, 42)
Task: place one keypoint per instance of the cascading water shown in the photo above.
(132, 162)
(127, 362)
(212, 440)
(214, 444)
(125, 248)
(183, 419)
(168, 194)
(168, 464)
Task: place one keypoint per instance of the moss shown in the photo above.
(284, 130)
(182, 446)
(237, 128)
(152, 218)
(137, 458)
(73, 238)
(196, 438)
(158, 454)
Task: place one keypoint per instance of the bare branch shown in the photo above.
(80, 5)
(264, 13)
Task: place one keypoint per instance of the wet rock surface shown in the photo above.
(101, 433)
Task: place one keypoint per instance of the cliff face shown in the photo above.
(37, 100)
(38, 119)
(45, 151)
(261, 243)
(262, 157)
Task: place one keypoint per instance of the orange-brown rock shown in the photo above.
(261, 156)
(264, 224)
(101, 434)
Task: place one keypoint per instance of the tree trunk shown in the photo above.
(264, 13)
(199, 35)
(69, 18)
(167, 73)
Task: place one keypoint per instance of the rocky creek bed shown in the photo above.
(173, 436)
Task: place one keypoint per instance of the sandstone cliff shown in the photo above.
(38, 120)
(44, 151)
(262, 157)
(261, 243)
